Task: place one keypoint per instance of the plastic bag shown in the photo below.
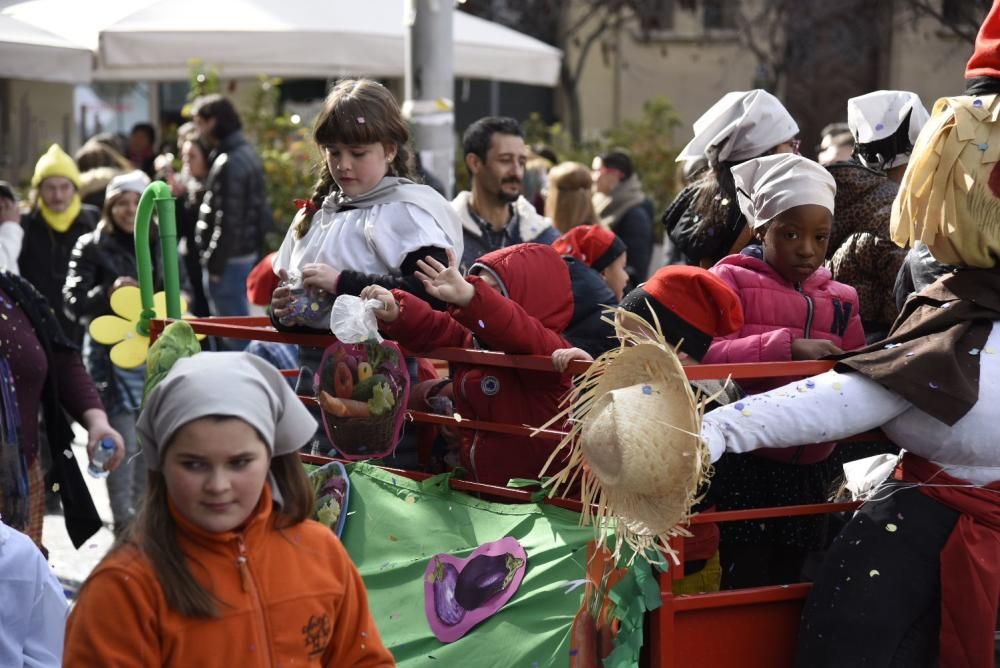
(352, 319)
(308, 306)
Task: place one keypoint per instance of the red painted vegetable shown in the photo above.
(343, 381)
(583, 641)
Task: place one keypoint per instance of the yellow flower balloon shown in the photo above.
(119, 330)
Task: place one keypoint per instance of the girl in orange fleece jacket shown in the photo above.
(221, 567)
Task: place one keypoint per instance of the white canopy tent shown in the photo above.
(157, 39)
(28, 52)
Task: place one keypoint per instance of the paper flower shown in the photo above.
(119, 330)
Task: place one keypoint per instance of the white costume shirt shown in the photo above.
(372, 240)
(835, 405)
(33, 608)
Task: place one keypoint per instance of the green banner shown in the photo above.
(396, 525)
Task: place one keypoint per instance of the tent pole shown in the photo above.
(430, 85)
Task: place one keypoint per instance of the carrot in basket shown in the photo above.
(343, 407)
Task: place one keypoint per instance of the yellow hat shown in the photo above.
(55, 162)
(949, 198)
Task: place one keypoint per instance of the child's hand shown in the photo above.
(562, 357)
(813, 349)
(445, 283)
(321, 276)
(390, 307)
(281, 298)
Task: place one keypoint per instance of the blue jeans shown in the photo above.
(228, 295)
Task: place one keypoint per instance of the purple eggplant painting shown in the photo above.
(461, 593)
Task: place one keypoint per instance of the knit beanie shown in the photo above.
(594, 245)
(131, 182)
(55, 162)
(692, 306)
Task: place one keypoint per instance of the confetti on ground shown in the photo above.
(837, 385)
(873, 573)
(746, 412)
(810, 384)
(988, 350)
(55, 487)
(739, 405)
(891, 528)
(411, 499)
(647, 389)
(800, 388)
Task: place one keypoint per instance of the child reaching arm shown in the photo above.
(516, 300)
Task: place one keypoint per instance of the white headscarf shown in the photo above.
(878, 115)
(231, 384)
(767, 187)
(753, 122)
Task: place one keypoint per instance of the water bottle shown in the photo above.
(102, 454)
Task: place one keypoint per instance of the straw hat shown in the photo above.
(634, 442)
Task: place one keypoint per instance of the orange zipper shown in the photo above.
(247, 584)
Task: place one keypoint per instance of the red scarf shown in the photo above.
(970, 564)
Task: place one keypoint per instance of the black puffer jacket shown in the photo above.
(235, 213)
(591, 295)
(45, 256)
(99, 258)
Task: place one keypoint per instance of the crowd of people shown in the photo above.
(775, 257)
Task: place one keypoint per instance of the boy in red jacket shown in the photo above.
(515, 300)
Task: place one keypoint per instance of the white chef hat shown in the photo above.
(767, 187)
(878, 116)
(750, 123)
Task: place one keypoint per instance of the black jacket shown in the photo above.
(919, 269)
(99, 258)
(591, 295)
(697, 241)
(82, 520)
(235, 213)
(635, 228)
(44, 260)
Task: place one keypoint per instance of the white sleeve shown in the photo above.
(402, 228)
(43, 646)
(826, 407)
(11, 235)
(283, 258)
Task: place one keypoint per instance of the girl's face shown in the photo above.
(616, 277)
(194, 160)
(357, 169)
(795, 242)
(215, 471)
(123, 212)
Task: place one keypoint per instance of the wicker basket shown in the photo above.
(363, 438)
(366, 437)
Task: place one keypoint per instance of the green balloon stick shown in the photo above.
(157, 195)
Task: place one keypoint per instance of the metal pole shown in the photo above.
(430, 85)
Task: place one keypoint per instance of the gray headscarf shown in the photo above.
(230, 384)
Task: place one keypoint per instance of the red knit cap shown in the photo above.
(985, 61)
(692, 305)
(262, 281)
(593, 245)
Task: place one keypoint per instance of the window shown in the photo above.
(719, 14)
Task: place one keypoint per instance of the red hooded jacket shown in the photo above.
(525, 316)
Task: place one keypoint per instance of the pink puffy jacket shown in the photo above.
(775, 313)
